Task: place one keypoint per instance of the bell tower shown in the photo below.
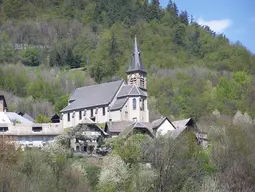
(136, 73)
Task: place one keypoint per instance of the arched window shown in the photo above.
(134, 104)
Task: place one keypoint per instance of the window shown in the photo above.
(91, 113)
(36, 129)
(68, 116)
(3, 129)
(142, 82)
(142, 104)
(103, 111)
(80, 114)
(134, 104)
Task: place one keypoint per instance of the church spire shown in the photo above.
(136, 64)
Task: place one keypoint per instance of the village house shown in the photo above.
(20, 128)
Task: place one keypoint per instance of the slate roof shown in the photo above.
(131, 90)
(181, 123)
(10, 117)
(136, 126)
(156, 123)
(94, 95)
(136, 62)
(124, 127)
(117, 126)
(118, 104)
(28, 117)
(180, 126)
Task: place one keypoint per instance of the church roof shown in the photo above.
(130, 90)
(94, 95)
(118, 104)
(136, 61)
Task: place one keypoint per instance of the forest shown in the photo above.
(50, 47)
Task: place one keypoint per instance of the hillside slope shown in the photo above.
(192, 71)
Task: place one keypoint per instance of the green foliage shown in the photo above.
(42, 119)
(61, 103)
(6, 49)
(30, 57)
(129, 149)
(93, 173)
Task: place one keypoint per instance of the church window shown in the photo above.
(134, 104)
(103, 111)
(68, 116)
(91, 113)
(80, 114)
(142, 104)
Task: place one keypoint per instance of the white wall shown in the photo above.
(100, 118)
(131, 112)
(34, 140)
(115, 115)
(164, 128)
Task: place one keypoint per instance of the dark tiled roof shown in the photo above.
(131, 90)
(119, 103)
(118, 126)
(94, 95)
(136, 62)
(180, 126)
(157, 122)
(28, 117)
(136, 126)
(125, 127)
(124, 90)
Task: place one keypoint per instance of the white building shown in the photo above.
(112, 101)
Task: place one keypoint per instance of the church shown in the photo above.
(120, 106)
(113, 101)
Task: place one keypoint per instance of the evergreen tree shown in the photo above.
(172, 8)
(184, 18)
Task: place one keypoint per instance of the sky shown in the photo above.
(233, 18)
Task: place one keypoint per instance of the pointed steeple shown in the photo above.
(136, 64)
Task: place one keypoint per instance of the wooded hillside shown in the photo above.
(192, 70)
